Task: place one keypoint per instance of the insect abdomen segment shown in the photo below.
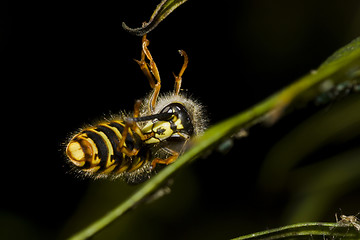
(96, 150)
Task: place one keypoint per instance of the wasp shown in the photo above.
(135, 146)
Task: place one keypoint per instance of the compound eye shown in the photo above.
(167, 109)
(167, 113)
(178, 111)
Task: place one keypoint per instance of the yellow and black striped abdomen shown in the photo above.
(96, 151)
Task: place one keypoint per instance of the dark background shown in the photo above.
(68, 63)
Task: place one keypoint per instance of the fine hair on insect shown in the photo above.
(135, 146)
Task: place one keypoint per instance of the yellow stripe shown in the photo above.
(124, 164)
(92, 170)
(109, 162)
(137, 163)
(109, 169)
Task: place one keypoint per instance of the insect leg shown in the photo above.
(166, 161)
(121, 147)
(178, 79)
(130, 124)
(151, 73)
(143, 64)
(134, 126)
(136, 108)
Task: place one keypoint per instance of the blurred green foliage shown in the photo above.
(310, 158)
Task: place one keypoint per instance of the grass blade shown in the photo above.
(304, 90)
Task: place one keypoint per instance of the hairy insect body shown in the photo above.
(349, 221)
(96, 150)
(134, 146)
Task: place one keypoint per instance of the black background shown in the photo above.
(68, 63)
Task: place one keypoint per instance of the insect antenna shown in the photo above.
(159, 116)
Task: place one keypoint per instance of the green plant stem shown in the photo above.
(269, 110)
(306, 231)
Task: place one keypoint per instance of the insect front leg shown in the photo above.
(130, 128)
(121, 147)
(178, 79)
(167, 161)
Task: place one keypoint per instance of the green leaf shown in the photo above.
(342, 52)
(161, 12)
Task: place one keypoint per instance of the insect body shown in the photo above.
(349, 221)
(134, 146)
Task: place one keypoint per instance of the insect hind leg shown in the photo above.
(151, 71)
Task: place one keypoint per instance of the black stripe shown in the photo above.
(117, 125)
(103, 151)
(111, 135)
(113, 138)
